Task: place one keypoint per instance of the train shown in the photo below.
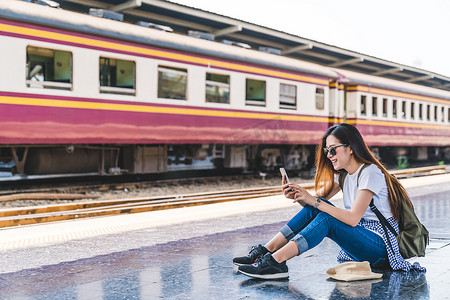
(82, 94)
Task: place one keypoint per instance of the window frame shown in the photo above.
(394, 109)
(220, 84)
(363, 105)
(255, 102)
(286, 105)
(319, 97)
(118, 90)
(385, 107)
(374, 106)
(176, 71)
(404, 110)
(47, 84)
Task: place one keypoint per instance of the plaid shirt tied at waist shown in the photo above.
(396, 261)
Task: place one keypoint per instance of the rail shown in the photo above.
(422, 170)
(61, 212)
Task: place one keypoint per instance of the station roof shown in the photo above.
(183, 19)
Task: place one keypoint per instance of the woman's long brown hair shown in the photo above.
(349, 135)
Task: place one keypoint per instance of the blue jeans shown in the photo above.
(310, 226)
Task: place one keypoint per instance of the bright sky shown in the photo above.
(410, 32)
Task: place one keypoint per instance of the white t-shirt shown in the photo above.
(371, 179)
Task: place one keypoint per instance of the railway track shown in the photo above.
(61, 212)
(102, 183)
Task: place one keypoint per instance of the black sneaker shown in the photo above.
(265, 268)
(255, 253)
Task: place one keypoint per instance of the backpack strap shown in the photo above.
(342, 176)
(384, 223)
(382, 219)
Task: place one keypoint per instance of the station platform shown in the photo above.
(187, 253)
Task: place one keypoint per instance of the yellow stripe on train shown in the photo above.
(201, 112)
(154, 109)
(158, 53)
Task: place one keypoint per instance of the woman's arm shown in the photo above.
(353, 216)
(350, 217)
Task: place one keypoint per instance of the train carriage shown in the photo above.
(400, 119)
(83, 94)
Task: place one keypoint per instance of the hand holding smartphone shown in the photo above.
(283, 173)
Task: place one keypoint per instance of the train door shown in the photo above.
(336, 103)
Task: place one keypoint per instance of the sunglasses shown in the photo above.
(332, 149)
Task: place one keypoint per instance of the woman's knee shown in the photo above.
(323, 216)
(302, 218)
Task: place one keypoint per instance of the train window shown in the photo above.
(363, 105)
(288, 96)
(172, 83)
(428, 112)
(448, 115)
(442, 114)
(374, 106)
(255, 92)
(320, 98)
(435, 113)
(412, 110)
(117, 76)
(217, 88)
(420, 111)
(394, 108)
(385, 104)
(48, 68)
(404, 109)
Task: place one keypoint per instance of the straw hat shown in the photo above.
(350, 271)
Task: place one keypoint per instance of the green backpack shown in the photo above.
(413, 237)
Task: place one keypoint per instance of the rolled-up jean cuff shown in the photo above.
(302, 244)
(287, 232)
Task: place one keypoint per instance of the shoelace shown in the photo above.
(263, 262)
(253, 251)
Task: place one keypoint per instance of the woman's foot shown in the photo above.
(256, 252)
(266, 268)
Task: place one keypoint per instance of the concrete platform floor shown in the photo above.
(193, 260)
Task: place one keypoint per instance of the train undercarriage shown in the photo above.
(146, 159)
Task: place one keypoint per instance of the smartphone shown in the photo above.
(283, 173)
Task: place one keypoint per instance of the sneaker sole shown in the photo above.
(238, 264)
(267, 276)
